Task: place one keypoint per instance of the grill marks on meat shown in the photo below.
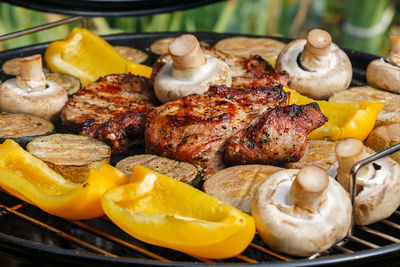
(279, 136)
(112, 109)
(195, 128)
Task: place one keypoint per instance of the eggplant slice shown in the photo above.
(23, 128)
(71, 155)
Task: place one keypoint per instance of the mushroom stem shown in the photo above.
(316, 50)
(186, 54)
(31, 76)
(309, 188)
(394, 54)
(350, 151)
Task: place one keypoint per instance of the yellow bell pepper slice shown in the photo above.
(159, 210)
(88, 57)
(344, 119)
(29, 178)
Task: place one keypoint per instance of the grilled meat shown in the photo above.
(258, 74)
(279, 136)
(112, 109)
(195, 127)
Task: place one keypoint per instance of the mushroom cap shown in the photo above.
(384, 75)
(45, 103)
(379, 190)
(214, 72)
(292, 229)
(319, 84)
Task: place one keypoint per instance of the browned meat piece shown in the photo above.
(112, 109)
(259, 73)
(279, 136)
(195, 127)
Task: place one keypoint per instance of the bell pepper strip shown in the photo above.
(344, 119)
(29, 178)
(159, 210)
(88, 57)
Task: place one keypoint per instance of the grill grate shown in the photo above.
(101, 242)
(101, 237)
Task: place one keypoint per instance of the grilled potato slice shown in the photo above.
(237, 185)
(178, 170)
(71, 155)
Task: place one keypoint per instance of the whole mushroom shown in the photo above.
(189, 71)
(316, 66)
(30, 93)
(377, 184)
(301, 212)
(384, 73)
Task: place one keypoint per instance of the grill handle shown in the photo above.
(357, 167)
(43, 27)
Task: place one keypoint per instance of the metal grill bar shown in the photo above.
(119, 241)
(343, 250)
(391, 224)
(363, 242)
(269, 252)
(379, 234)
(58, 232)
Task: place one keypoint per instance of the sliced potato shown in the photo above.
(320, 153)
(237, 185)
(71, 155)
(70, 83)
(178, 170)
(22, 128)
(132, 54)
(242, 46)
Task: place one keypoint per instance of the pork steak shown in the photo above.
(112, 109)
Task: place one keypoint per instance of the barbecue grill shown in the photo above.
(30, 234)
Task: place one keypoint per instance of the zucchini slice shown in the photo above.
(71, 155)
(178, 170)
(132, 54)
(22, 128)
(70, 83)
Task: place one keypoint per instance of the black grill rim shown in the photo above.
(26, 249)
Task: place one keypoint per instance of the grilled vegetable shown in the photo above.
(383, 137)
(11, 66)
(22, 128)
(131, 54)
(69, 83)
(88, 57)
(178, 170)
(237, 185)
(344, 119)
(30, 93)
(72, 156)
(27, 177)
(267, 48)
(161, 211)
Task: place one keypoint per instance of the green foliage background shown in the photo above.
(291, 18)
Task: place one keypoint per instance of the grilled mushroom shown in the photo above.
(384, 73)
(291, 204)
(30, 93)
(316, 66)
(189, 71)
(377, 184)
